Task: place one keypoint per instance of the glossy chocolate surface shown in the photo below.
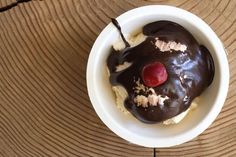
(189, 72)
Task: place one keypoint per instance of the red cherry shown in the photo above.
(154, 74)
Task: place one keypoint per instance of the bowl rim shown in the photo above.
(193, 132)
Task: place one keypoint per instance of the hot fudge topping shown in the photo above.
(165, 73)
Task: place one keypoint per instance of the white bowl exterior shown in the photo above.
(126, 126)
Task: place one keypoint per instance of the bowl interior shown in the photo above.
(125, 125)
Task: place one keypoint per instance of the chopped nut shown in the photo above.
(171, 45)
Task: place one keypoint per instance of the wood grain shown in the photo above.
(44, 106)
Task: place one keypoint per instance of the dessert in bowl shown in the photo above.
(151, 103)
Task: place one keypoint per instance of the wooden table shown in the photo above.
(44, 106)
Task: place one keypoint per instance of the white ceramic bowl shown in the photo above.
(126, 126)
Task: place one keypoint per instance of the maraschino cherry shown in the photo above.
(154, 74)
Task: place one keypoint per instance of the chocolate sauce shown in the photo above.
(12, 5)
(189, 72)
(115, 22)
